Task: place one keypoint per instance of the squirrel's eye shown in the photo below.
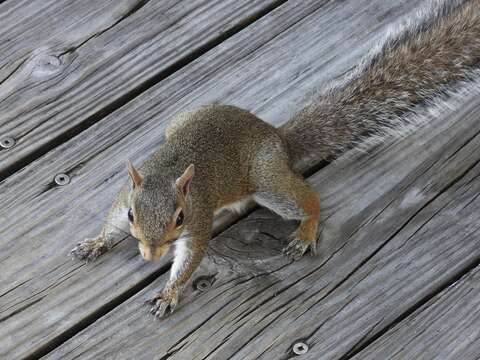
(179, 219)
(130, 215)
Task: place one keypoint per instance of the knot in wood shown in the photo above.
(45, 65)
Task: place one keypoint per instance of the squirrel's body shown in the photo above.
(220, 156)
(230, 137)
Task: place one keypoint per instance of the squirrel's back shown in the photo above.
(424, 61)
(227, 132)
(220, 140)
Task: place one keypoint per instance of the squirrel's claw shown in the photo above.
(89, 249)
(313, 248)
(296, 248)
(163, 303)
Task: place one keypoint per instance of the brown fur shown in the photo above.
(217, 155)
(412, 68)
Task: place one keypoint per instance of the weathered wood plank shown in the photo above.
(267, 68)
(446, 327)
(399, 224)
(68, 63)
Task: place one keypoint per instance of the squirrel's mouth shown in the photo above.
(152, 252)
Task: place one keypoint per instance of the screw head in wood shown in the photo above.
(7, 142)
(62, 179)
(300, 348)
(203, 283)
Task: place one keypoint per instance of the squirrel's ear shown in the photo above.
(134, 175)
(183, 182)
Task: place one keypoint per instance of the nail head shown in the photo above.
(62, 179)
(7, 142)
(300, 348)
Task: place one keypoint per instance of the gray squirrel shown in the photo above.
(221, 156)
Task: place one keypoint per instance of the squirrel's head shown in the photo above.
(159, 210)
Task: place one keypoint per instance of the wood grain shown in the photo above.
(268, 68)
(66, 64)
(446, 327)
(398, 225)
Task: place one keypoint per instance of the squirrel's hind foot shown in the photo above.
(297, 248)
(90, 249)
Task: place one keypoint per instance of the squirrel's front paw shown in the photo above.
(90, 249)
(164, 302)
(296, 248)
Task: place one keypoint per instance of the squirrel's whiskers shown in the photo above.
(218, 156)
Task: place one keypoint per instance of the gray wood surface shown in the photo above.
(66, 64)
(399, 225)
(268, 68)
(446, 327)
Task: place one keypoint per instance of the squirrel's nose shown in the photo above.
(147, 255)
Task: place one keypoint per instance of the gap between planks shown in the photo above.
(143, 86)
(446, 327)
(443, 185)
(469, 268)
(356, 350)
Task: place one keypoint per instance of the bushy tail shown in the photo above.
(432, 56)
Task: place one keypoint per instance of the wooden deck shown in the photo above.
(85, 85)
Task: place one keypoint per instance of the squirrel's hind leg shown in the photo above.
(288, 195)
(116, 225)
